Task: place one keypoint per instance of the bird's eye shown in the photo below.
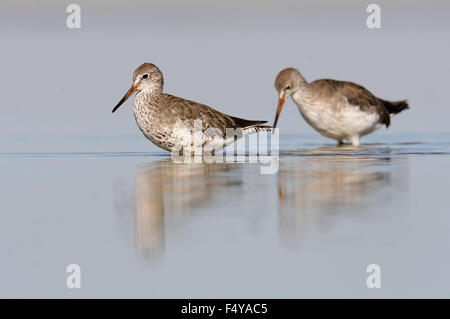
(287, 87)
(145, 76)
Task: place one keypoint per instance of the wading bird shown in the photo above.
(336, 109)
(170, 122)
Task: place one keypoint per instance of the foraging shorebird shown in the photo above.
(172, 123)
(336, 109)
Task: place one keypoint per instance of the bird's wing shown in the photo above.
(356, 95)
(186, 110)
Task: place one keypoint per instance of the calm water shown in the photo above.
(80, 185)
(142, 226)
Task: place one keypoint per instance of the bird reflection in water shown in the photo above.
(166, 189)
(317, 186)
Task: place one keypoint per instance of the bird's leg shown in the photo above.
(354, 140)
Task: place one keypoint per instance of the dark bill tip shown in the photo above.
(130, 92)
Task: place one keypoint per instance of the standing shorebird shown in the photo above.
(336, 109)
(171, 122)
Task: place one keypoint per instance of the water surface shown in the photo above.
(140, 225)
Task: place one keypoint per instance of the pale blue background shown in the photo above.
(58, 81)
(70, 170)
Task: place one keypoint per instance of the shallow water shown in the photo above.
(140, 225)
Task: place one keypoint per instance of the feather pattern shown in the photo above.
(172, 122)
(339, 110)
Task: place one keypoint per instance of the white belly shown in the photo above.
(343, 122)
(188, 136)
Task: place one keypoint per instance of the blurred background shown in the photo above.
(81, 185)
(58, 81)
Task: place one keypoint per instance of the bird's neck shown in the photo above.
(147, 99)
(303, 97)
(151, 94)
(152, 90)
(303, 93)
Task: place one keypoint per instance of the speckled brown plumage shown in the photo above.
(167, 120)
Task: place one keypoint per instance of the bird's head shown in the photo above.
(146, 78)
(287, 82)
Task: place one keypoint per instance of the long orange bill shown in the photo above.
(130, 92)
(280, 107)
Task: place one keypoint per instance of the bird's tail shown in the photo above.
(396, 107)
(245, 124)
